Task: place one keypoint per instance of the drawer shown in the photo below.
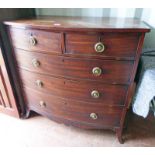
(108, 71)
(108, 44)
(75, 111)
(95, 92)
(36, 40)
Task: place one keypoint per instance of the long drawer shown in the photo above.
(36, 40)
(94, 92)
(76, 111)
(108, 71)
(106, 44)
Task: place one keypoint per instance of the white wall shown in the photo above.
(147, 15)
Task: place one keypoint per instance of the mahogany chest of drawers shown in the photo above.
(78, 71)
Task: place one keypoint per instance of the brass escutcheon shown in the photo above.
(35, 63)
(95, 94)
(42, 104)
(32, 41)
(39, 83)
(99, 47)
(97, 71)
(93, 116)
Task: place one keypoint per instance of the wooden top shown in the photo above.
(82, 23)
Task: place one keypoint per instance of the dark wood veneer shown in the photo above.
(116, 44)
(47, 42)
(81, 24)
(118, 72)
(77, 90)
(65, 51)
(73, 110)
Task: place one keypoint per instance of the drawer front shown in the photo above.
(72, 110)
(95, 92)
(115, 44)
(36, 40)
(88, 69)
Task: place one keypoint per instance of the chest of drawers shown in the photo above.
(78, 71)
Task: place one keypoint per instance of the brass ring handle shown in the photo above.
(93, 116)
(99, 47)
(32, 41)
(95, 94)
(97, 71)
(39, 83)
(42, 104)
(35, 63)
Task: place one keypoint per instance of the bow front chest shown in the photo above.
(78, 71)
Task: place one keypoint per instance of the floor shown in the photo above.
(39, 131)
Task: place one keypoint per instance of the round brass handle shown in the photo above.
(97, 71)
(99, 47)
(39, 83)
(35, 63)
(93, 116)
(42, 104)
(95, 94)
(32, 41)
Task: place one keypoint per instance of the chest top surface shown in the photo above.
(82, 23)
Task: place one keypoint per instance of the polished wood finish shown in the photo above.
(7, 99)
(112, 71)
(74, 110)
(67, 78)
(116, 44)
(77, 90)
(47, 42)
(82, 24)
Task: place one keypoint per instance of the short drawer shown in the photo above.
(48, 105)
(94, 92)
(108, 44)
(108, 71)
(36, 40)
